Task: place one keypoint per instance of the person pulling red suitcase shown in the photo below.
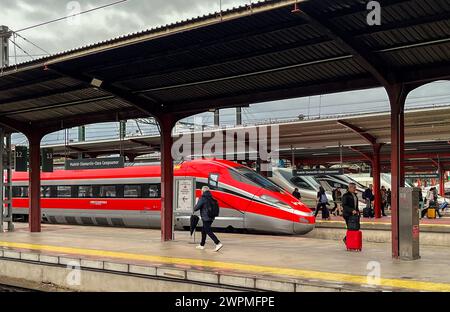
(351, 214)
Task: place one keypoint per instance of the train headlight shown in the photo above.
(306, 214)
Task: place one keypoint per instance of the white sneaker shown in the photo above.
(218, 247)
(200, 247)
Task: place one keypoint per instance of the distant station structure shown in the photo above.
(268, 51)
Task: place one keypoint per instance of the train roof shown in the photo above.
(127, 172)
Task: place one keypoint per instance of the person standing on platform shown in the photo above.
(368, 198)
(349, 203)
(322, 202)
(389, 198)
(296, 194)
(205, 206)
(383, 200)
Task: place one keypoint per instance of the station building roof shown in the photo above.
(255, 53)
(427, 137)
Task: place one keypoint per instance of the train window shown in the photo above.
(108, 191)
(251, 177)
(85, 191)
(301, 184)
(64, 191)
(45, 191)
(213, 180)
(20, 191)
(132, 191)
(151, 191)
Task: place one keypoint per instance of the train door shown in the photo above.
(229, 216)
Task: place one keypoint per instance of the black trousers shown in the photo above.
(346, 220)
(206, 230)
(324, 208)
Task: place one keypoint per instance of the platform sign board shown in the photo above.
(21, 159)
(47, 159)
(313, 172)
(184, 194)
(95, 163)
(421, 176)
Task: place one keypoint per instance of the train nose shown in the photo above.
(304, 225)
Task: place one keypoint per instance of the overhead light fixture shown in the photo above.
(320, 154)
(96, 82)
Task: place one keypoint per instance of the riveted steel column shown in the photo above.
(441, 180)
(34, 193)
(167, 123)
(376, 179)
(397, 96)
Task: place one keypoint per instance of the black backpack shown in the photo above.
(213, 208)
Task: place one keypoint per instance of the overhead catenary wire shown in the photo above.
(32, 43)
(69, 16)
(20, 48)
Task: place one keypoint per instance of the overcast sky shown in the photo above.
(120, 19)
(137, 15)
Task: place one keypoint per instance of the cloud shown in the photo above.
(123, 18)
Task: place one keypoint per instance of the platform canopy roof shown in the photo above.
(249, 54)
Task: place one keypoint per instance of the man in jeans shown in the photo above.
(204, 206)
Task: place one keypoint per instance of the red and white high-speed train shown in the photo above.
(130, 197)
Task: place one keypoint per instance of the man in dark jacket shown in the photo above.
(368, 196)
(203, 205)
(350, 203)
(296, 193)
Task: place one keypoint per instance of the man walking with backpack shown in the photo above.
(209, 209)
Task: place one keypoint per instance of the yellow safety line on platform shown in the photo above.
(247, 268)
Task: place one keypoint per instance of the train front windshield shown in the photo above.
(255, 179)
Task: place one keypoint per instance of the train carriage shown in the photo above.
(131, 197)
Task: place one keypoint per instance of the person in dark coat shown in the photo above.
(203, 205)
(322, 202)
(350, 203)
(368, 196)
(296, 193)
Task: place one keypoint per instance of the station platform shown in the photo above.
(123, 259)
(433, 232)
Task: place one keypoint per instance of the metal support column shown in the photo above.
(81, 133)
(167, 123)
(122, 129)
(441, 180)
(5, 184)
(376, 179)
(238, 116)
(397, 97)
(5, 34)
(81, 138)
(216, 118)
(34, 193)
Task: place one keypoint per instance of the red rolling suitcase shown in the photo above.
(354, 240)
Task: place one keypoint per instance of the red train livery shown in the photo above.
(131, 197)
